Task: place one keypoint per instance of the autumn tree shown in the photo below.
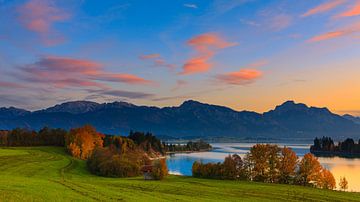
(309, 170)
(4, 137)
(262, 163)
(327, 180)
(229, 170)
(287, 165)
(159, 170)
(80, 142)
(343, 184)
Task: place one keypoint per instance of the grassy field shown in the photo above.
(48, 174)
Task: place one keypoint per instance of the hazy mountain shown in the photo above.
(191, 118)
(75, 107)
(352, 118)
(11, 112)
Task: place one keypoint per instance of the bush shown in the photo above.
(109, 163)
(159, 170)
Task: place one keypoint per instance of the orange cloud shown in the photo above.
(125, 78)
(242, 77)
(206, 45)
(39, 16)
(196, 65)
(354, 11)
(337, 33)
(327, 6)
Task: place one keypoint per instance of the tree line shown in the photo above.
(24, 137)
(188, 147)
(326, 146)
(271, 164)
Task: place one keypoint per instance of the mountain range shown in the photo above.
(191, 118)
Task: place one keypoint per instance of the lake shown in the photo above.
(181, 164)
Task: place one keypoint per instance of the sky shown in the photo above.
(244, 54)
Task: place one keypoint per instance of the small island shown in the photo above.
(326, 147)
(189, 147)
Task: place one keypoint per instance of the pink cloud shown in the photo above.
(327, 6)
(39, 16)
(70, 72)
(150, 56)
(337, 33)
(124, 78)
(206, 45)
(241, 77)
(354, 11)
(280, 22)
(4, 84)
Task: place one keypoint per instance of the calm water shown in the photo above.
(350, 168)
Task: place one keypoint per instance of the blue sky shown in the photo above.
(245, 54)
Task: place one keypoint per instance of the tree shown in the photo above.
(80, 142)
(159, 170)
(287, 165)
(327, 180)
(309, 170)
(343, 184)
(262, 163)
(229, 170)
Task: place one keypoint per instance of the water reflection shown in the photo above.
(181, 164)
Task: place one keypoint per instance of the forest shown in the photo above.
(325, 146)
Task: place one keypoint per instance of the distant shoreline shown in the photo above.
(335, 154)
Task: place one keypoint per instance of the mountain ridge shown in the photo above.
(191, 118)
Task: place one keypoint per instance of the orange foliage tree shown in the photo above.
(309, 170)
(343, 184)
(80, 142)
(262, 163)
(327, 180)
(287, 165)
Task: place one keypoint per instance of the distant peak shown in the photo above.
(119, 104)
(74, 107)
(191, 103)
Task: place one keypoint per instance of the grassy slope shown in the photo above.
(48, 174)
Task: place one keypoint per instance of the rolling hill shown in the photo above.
(49, 174)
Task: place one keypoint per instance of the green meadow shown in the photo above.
(49, 174)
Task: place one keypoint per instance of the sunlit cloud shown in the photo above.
(121, 93)
(124, 78)
(205, 45)
(71, 72)
(337, 33)
(353, 11)
(322, 8)
(246, 75)
(241, 77)
(39, 16)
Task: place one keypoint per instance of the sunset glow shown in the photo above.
(247, 54)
